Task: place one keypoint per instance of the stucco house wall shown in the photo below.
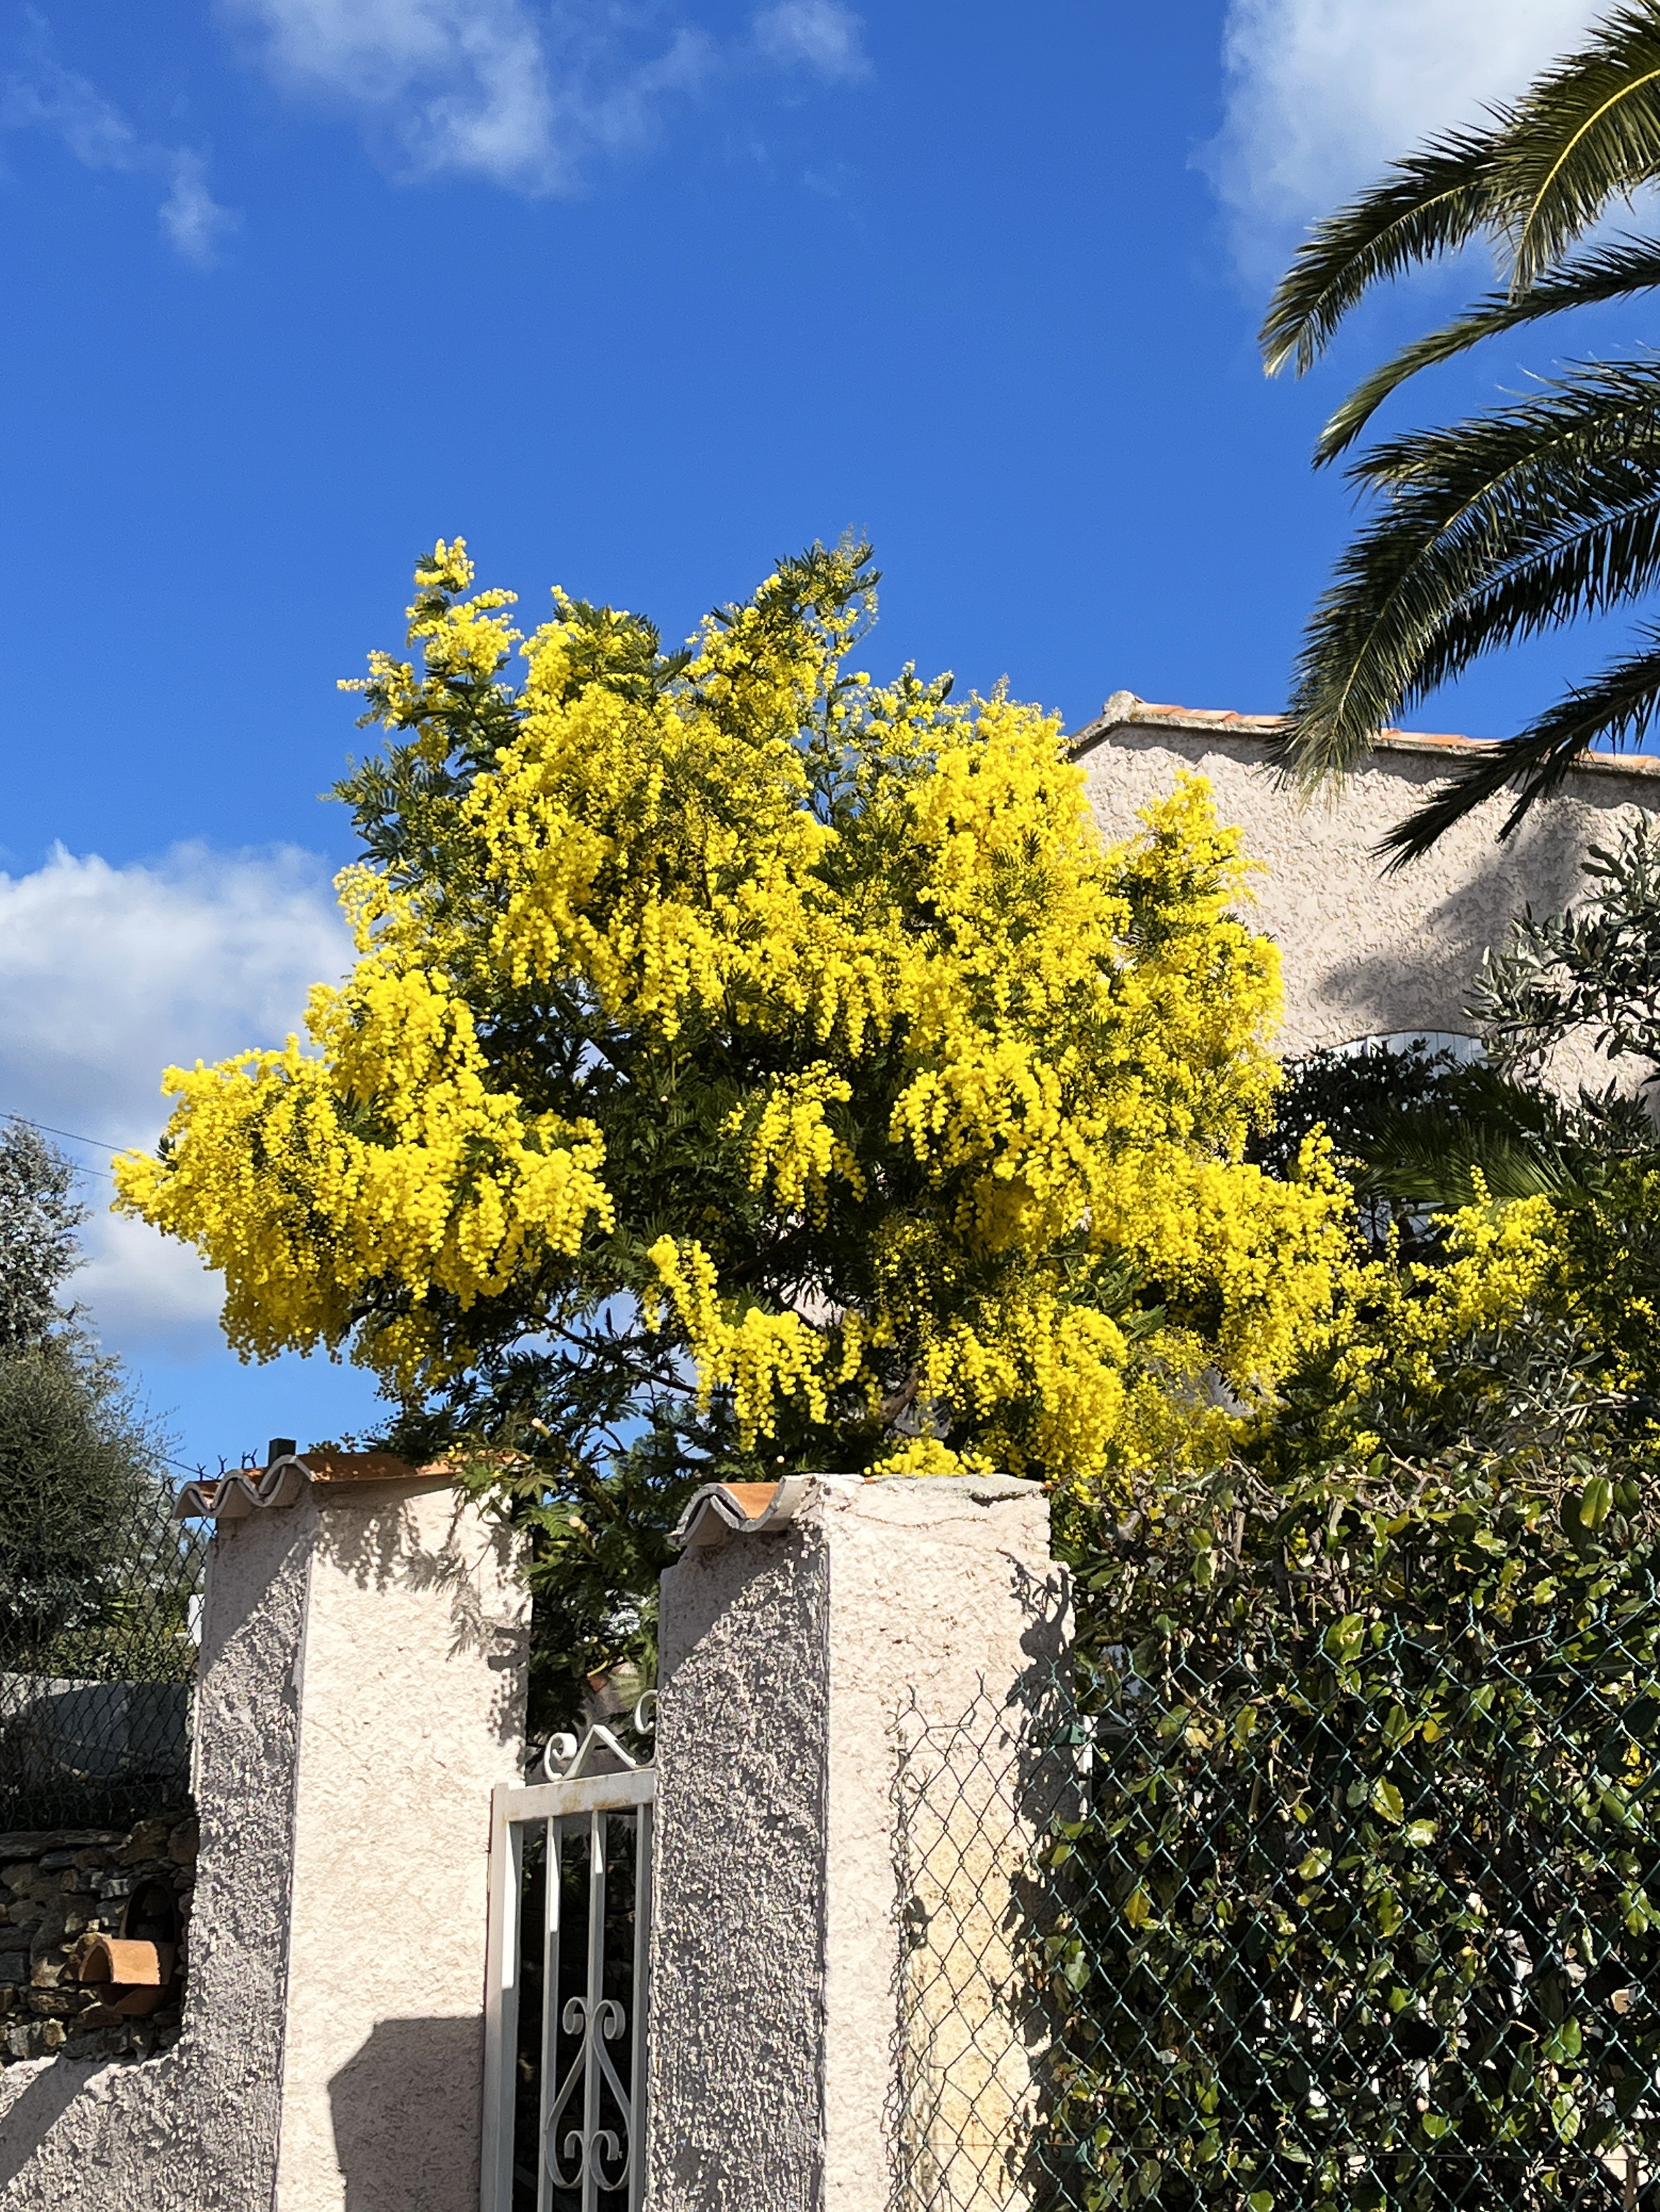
(1366, 953)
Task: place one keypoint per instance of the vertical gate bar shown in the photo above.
(551, 1903)
(506, 1857)
(641, 1968)
(596, 1996)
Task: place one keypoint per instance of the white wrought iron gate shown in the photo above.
(566, 1996)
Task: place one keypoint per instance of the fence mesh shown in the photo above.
(96, 1669)
(1215, 1928)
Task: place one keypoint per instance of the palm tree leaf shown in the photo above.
(1432, 203)
(1510, 521)
(1631, 264)
(1440, 1167)
(1517, 1141)
(1523, 519)
(1585, 133)
(1616, 709)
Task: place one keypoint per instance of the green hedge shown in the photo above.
(1364, 1909)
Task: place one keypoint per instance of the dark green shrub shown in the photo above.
(1364, 1909)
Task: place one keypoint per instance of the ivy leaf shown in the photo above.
(1597, 1501)
(1387, 1802)
(1345, 1638)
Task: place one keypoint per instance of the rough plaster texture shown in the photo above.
(789, 1662)
(196, 2131)
(1366, 953)
(411, 1710)
(361, 1690)
(738, 1939)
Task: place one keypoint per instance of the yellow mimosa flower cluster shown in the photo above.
(307, 1180)
(811, 1015)
(1502, 1261)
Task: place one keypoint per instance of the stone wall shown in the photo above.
(57, 1890)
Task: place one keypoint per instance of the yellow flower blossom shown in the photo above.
(814, 1017)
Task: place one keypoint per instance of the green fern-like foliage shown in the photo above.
(1521, 518)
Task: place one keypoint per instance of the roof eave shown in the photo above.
(1125, 711)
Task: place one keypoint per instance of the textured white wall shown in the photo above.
(363, 1686)
(788, 1659)
(196, 2130)
(1363, 952)
(411, 1710)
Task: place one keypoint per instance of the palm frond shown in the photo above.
(1482, 1136)
(1616, 708)
(1581, 564)
(1446, 1165)
(1432, 203)
(1515, 519)
(1585, 134)
(1630, 265)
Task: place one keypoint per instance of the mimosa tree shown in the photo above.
(749, 1065)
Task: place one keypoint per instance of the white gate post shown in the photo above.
(361, 1691)
(795, 1629)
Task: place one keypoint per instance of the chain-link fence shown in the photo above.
(97, 1663)
(1369, 1920)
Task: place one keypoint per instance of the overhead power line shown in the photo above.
(183, 1466)
(46, 1129)
(79, 1167)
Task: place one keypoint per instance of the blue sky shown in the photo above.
(636, 297)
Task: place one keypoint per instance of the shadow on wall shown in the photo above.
(1476, 890)
(380, 1553)
(1437, 972)
(1536, 869)
(393, 2152)
(24, 2121)
(1367, 951)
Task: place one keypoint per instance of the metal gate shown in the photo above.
(565, 1996)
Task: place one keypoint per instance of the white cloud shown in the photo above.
(49, 97)
(108, 974)
(478, 87)
(522, 92)
(1321, 94)
(821, 36)
(190, 216)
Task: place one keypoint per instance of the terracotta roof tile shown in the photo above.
(127, 1962)
(258, 1489)
(722, 1509)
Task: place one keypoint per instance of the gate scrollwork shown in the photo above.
(589, 2147)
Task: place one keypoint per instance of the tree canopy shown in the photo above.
(38, 1249)
(742, 1046)
(74, 1449)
